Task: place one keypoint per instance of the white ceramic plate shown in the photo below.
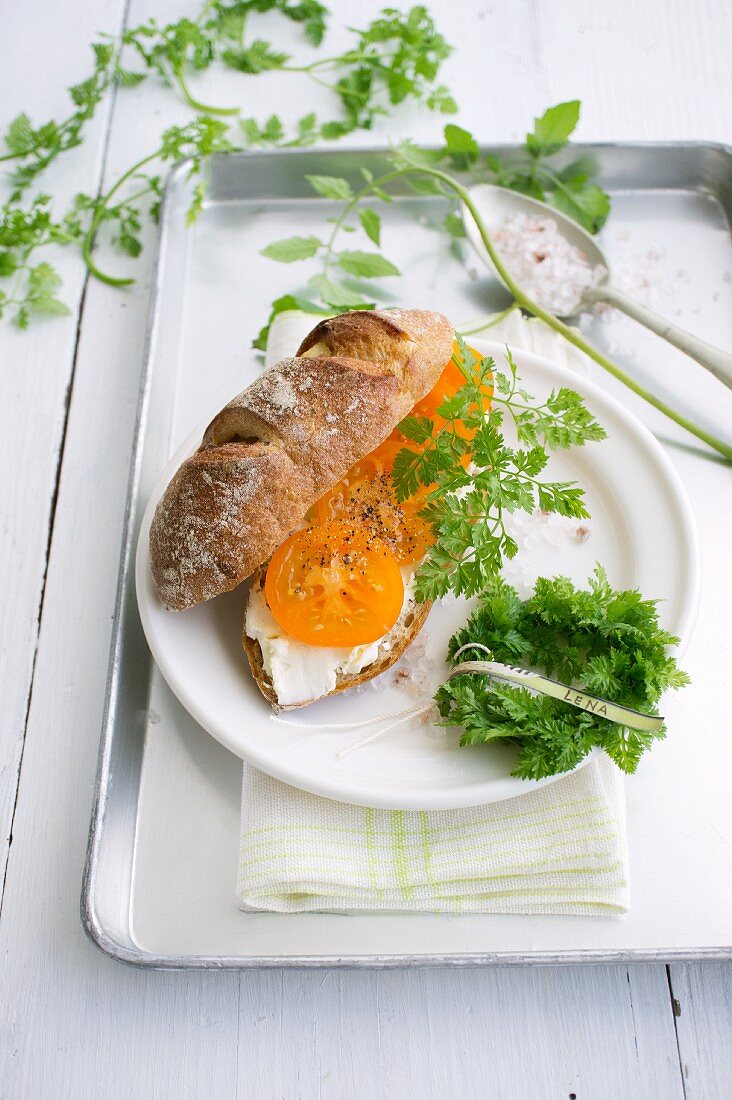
(642, 530)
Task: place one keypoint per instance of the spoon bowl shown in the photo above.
(497, 205)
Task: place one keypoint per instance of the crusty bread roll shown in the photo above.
(401, 635)
(282, 443)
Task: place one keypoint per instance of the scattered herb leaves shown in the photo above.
(394, 57)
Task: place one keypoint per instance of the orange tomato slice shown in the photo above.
(334, 585)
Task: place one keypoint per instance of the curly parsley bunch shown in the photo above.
(609, 642)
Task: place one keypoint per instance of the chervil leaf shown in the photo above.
(256, 58)
(270, 133)
(43, 282)
(312, 15)
(19, 135)
(196, 206)
(290, 249)
(441, 100)
(418, 429)
(127, 79)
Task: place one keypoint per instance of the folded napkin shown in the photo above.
(558, 849)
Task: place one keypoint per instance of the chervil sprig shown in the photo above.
(187, 45)
(33, 286)
(474, 478)
(607, 642)
(198, 140)
(34, 147)
(397, 56)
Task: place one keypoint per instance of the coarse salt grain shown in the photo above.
(548, 268)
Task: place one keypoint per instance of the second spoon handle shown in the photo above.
(714, 359)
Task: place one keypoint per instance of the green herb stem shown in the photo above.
(327, 62)
(568, 333)
(89, 237)
(492, 321)
(351, 205)
(196, 104)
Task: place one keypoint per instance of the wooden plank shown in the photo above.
(703, 995)
(37, 366)
(72, 1022)
(644, 71)
(601, 1032)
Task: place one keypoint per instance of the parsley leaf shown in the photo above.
(367, 265)
(291, 249)
(607, 642)
(570, 188)
(552, 131)
(331, 187)
(371, 224)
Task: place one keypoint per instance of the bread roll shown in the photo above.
(282, 443)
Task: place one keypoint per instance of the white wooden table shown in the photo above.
(72, 1022)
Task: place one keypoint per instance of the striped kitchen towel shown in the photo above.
(560, 848)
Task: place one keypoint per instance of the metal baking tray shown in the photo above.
(159, 880)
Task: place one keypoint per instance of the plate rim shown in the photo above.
(436, 800)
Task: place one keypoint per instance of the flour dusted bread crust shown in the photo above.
(283, 442)
(401, 635)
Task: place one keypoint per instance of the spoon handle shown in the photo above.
(714, 359)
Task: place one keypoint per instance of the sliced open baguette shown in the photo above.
(393, 645)
(277, 447)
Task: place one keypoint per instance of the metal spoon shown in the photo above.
(496, 204)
